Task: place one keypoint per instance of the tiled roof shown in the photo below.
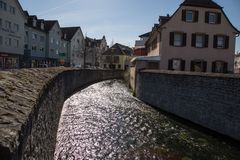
(69, 31)
(119, 49)
(93, 42)
(201, 3)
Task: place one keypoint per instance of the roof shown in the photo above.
(146, 58)
(201, 3)
(93, 42)
(119, 49)
(69, 31)
(48, 24)
(145, 35)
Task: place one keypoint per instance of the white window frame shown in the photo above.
(8, 24)
(212, 18)
(188, 12)
(176, 64)
(8, 41)
(3, 5)
(219, 66)
(200, 40)
(178, 39)
(221, 42)
(15, 43)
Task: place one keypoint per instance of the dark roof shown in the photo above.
(201, 3)
(119, 49)
(90, 42)
(163, 19)
(69, 31)
(30, 19)
(49, 24)
(145, 35)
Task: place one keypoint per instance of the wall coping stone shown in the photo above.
(187, 73)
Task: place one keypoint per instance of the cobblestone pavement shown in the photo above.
(104, 121)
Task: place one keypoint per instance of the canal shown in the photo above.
(104, 121)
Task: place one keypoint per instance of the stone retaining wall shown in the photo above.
(210, 100)
(31, 104)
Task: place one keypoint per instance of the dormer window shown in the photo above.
(65, 36)
(189, 16)
(213, 18)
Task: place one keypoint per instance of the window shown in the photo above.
(3, 5)
(34, 47)
(8, 41)
(108, 59)
(42, 49)
(119, 66)
(199, 40)
(221, 41)
(56, 51)
(213, 18)
(1, 40)
(12, 9)
(219, 67)
(198, 66)
(51, 40)
(52, 50)
(178, 39)
(64, 45)
(176, 64)
(105, 66)
(189, 16)
(34, 36)
(57, 42)
(34, 23)
(0, 23)
(8, 24)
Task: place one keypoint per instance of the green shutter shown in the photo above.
(170, 64)
(206, 17)
(171, 41)
(206, 41)
(226, 42)
(196, 16)
(183, 15)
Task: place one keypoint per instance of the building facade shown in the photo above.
(12, 21)
(117, 57)
(237, 63)
(54, 36)
(94, 50)
(197, 37)
(35, 42)
(76, 41)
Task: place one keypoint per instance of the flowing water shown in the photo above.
(104, 121)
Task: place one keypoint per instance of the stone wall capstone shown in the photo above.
(31, 104)
(210, 100)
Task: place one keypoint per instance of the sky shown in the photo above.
(120, 21)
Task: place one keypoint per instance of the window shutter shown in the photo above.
(182, 65)
(206, 17)
(206, 41)
(184, 39)
(219, 18)
(225, 67)
(196, 16)
(204, 69)
(183, 15)
(194, 40)
(213, 67)
(170, 64)
(215, 41)
(192, 65)
(171, 38)
(226, 42)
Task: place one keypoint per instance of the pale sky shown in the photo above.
(119, 20)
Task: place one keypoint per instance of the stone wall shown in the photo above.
(210, 100)
(31, 104)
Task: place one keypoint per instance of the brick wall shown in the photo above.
(211, 100)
